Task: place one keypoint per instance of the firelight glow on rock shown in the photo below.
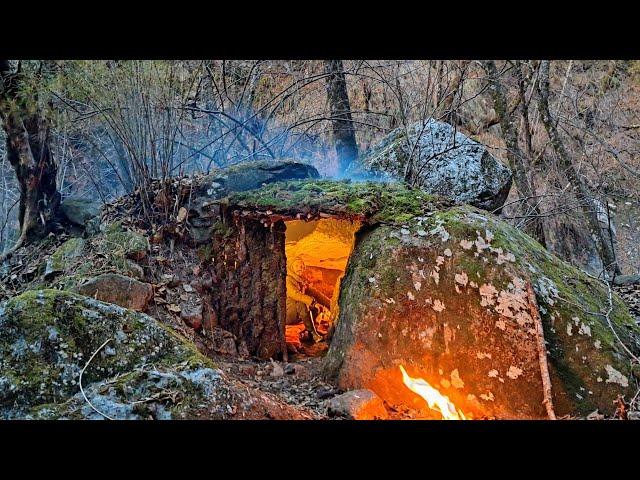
(436, 401)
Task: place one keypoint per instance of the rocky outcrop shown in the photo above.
(79, 210)
(203, 208)
(113, 250)
(443, 161)
(459, 298)
(63, 355)
(454, 296)
(124, 291)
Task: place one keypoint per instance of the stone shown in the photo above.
(276, 370)
(626, 280)
(446, 163)
(191, 315)
(357, 405)
(326, 392)
(65, 254)
(466, 323)
(126, 243)
(247, 176)
(79, 210)
(132, 269)
(133, 367)
(118, 289)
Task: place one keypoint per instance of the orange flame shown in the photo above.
(436, 401)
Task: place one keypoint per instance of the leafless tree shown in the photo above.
(27, 129)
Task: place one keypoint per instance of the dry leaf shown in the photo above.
(174, 308)
(182, 215)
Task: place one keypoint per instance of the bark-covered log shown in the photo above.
(249, 293)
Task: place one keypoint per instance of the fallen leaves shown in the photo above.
(174, 308)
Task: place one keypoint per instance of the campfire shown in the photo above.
(436, 401)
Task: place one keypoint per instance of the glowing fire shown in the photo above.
(436, 401)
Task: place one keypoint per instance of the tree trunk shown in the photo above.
(249, 295)
(521, 172)
(344, 134)
(28, 151)
(580, 188)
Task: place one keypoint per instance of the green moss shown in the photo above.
(378, 202)
(65, 254)
(48, 335)
(220, 228)
(206, 252)
(126, 243)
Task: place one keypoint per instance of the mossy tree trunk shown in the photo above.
(344, 134)
(29, 153)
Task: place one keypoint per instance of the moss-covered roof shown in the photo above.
(370, 201)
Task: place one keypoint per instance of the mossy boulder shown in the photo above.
(125, 243)
(145, 370)
(444, 162)
(66, 254)
(78, 260)
(305, 199)
(447, 296)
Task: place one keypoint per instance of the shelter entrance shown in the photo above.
(316, 253)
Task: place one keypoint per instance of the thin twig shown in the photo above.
(80, 380)
(608, 315)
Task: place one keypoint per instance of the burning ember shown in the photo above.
(436, 401)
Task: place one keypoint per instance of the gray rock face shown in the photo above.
(124, 291)
(79, 210)
(246, 176)
(444, 162)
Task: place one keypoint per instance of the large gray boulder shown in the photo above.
(445, 162)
